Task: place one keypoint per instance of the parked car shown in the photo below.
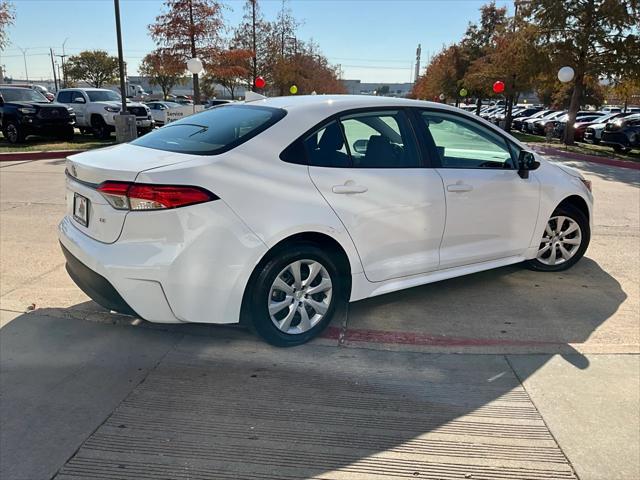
(538, 126)
(96, 109)
(519, 123)
(623, 134)
(279, 211)
(158, 109)
(581, 119)
(527, 126)
(38, 88)
(24, 112)
(216, 101)
(593, 133)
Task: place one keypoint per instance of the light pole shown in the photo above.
(565, 75)
(64, 70)
(194, 65)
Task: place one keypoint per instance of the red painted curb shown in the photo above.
(408, 338)
(22, 156)
(586, 158)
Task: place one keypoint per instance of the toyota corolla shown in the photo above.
(276, 212)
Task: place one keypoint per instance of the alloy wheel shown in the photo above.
(300, 296)
(561, 241)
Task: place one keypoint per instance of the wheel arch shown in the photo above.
(318, 238)
(577, 202)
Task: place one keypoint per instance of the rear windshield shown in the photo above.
(213, 131)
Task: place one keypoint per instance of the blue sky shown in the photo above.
(373, 40)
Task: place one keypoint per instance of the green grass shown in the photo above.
(579, 147)
(47, 144)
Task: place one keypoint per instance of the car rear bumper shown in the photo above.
(95, 285)
(187, 264)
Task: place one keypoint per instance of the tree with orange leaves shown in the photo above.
(229, 68)
(164, 68)
(189, 29)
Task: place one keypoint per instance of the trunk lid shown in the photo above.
(85, 171)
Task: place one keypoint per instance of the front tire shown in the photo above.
(565, 239)
(293, 296)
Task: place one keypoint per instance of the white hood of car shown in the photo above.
(568, 170)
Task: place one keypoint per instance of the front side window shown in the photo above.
(462, 143)
(212, 131)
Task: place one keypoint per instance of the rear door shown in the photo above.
(491, 211)
(368, 168)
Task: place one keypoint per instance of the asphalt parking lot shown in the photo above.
(502, 374)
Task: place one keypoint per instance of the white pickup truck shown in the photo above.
(96, 108)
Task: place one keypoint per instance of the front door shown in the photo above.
(368, 169)
(491, 211)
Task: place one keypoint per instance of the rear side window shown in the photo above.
(363, 140)
(213, 131)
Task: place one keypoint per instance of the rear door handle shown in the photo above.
(459, 188)
(349, 187)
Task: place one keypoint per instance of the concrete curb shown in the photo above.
(586, 158)
(22, 156)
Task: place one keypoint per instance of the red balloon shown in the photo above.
(498, 87)
(260, 82)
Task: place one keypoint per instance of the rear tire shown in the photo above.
(67, 134)
(287, 311)
(14, 133)
(100, 129)
(564, 242)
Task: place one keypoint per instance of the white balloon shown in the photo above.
(442, 96)
(565, 74)
(194, 65)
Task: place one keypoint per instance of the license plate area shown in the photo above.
(81, 209)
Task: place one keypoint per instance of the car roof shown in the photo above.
(88, 89)
(15, 88)
(336, 103)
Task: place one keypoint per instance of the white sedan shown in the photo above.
(275, 212)
(158, 110)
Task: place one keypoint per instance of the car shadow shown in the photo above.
(610, 173)
(216, 402)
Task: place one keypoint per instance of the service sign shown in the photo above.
(173, 114)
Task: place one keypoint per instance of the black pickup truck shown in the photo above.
(24, 112)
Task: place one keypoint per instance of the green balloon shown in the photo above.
(463, 92)
(293, 89)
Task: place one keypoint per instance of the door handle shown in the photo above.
(349, 187)
(459, 188)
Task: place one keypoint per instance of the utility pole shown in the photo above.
(64, 71)
(53, 67)
(418, 55)
(125, 123)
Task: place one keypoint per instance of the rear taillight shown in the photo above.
(142, 196)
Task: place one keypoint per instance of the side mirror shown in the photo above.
(79, 100)
(360, 146)
(526, 162)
